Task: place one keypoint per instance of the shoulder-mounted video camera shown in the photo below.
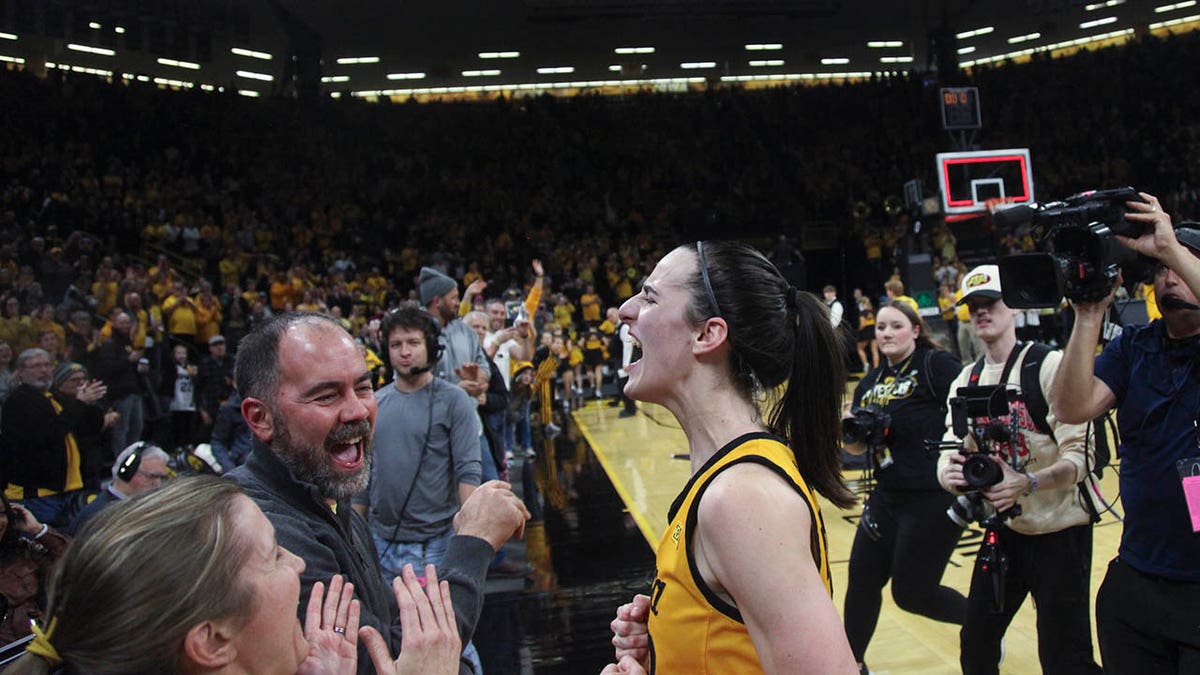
(1080, 256)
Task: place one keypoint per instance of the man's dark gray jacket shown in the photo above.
(339, 542)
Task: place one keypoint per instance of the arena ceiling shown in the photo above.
(367, 47)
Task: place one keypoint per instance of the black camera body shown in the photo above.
(985, 414)
(1081, 256)
(869, 425)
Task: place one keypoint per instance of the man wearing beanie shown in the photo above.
(463, 361)
(38, 449)
(80, 398)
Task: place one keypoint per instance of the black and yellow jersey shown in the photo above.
(692, 629)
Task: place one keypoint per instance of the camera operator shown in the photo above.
(903, 533)
(1147, 606)
(1049, 545)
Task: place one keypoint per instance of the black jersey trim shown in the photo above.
(725, 450)
(817, 532)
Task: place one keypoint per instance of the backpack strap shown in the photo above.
(928, 374)
(1031, 386)
(976, 371)
(1033, 354)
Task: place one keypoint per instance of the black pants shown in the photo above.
(1147, 625)
(1056, 569)
(915, 542)
(626, 402)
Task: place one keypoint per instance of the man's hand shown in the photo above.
(91, 391)
(430, 644)
(468, 371)
(952, 475)
(474, 288)
(537, 267)
(1159, 241)
(1004, 494)
(492, 513)
(473, 388)
(1096, 311)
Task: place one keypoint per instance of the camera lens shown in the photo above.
(961, 511)
(853, 431)
(980, 471)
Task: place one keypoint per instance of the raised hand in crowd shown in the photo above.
(91, 391)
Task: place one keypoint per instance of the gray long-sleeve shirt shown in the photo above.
(426, 444)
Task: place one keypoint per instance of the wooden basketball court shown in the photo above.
(645, 456)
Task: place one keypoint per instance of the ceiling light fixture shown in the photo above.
(251, 53)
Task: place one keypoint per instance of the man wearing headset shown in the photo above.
(426, 450)
(1147, 606)
(139, 468)
(427, 456)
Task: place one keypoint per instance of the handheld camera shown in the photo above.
(1080, 256)
(986, 414)
(869, 426)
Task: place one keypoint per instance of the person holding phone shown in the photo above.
(28, 550)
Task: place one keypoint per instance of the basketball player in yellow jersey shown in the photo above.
(743, 576)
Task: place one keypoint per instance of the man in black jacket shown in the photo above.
(214, 382)
(117, 364)
(38, 450)
(309, 403)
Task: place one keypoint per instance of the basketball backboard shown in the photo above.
(969, 180)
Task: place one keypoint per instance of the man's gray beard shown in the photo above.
(40, 385)
(315, 465)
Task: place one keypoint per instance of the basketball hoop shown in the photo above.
(982, 181)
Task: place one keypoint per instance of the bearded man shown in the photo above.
(307, 399)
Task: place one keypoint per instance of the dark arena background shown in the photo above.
(272, 154)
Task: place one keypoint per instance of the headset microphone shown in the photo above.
(1171, 302)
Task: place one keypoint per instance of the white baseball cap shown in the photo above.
(981, 282)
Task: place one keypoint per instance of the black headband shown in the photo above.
(712, 297)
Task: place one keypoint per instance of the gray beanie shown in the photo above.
(433, 284)
(65, 370)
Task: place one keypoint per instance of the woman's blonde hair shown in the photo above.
(140, 575)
